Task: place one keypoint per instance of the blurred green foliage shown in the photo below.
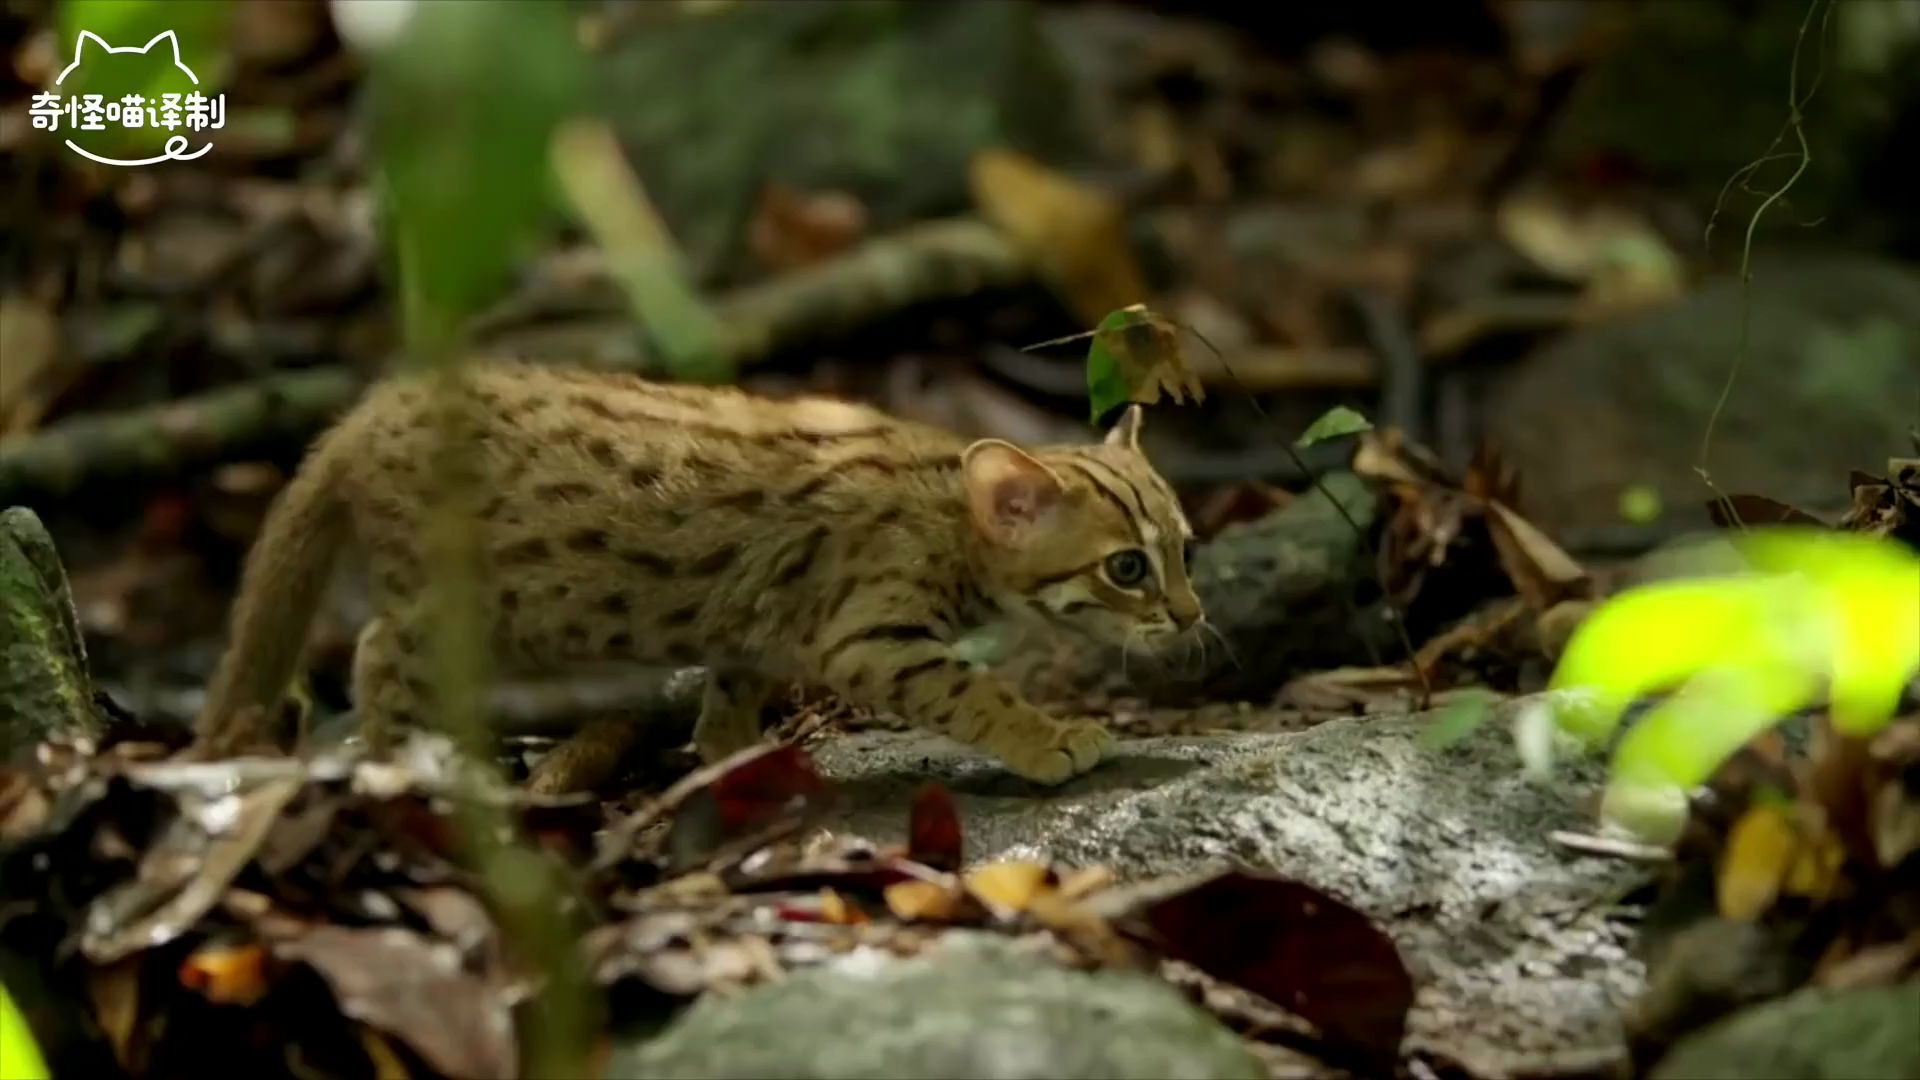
(1805, 612)
(19, 1054)
(464, 104)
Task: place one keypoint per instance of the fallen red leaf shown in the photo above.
(1299, 948)
(933, 830)
(762, 789)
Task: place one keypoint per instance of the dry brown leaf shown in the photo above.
(1541, 572)
(1075, 233)
(1368, 688)
(1622, 261)
(386, 1063)
(1011, 885)
(792, 228)
(115, 989)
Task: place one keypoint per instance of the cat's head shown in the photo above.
(1085, 538)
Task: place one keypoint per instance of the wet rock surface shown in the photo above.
(1520, 958)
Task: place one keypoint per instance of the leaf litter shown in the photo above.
(183, 891)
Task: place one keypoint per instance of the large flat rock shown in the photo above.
(1520, 959)
(976, 1006)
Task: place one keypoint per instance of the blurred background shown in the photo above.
(1517, 224)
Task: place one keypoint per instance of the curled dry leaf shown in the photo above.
(183, 875)
(1542, 573)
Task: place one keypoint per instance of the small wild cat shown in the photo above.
(808, 540)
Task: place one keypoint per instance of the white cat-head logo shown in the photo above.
(91, 112)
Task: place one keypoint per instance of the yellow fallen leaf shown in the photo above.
(923, 900)
(226, 974)
(1010, 885)
(1760, 849)
(1073, 232)
(1814, 872)
(835, 908)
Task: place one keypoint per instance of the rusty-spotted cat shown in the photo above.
(803, 540)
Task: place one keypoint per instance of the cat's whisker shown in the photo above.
(1225, 645)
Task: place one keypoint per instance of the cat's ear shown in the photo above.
(173, 46)
(1126, 433)
(81, 48)
(1008, 489)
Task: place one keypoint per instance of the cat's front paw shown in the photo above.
(1066, 750)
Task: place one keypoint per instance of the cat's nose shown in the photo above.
(1185, 618)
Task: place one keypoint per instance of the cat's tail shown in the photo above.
(286, 576)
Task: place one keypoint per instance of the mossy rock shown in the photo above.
(44, 687)
(886, 99)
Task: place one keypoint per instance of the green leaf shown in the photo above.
(19, 1054)
(1458, 722)
(1332, 424)
(1135, 357)
(1809, 608)
(464, 106)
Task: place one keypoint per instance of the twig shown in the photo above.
(933, 261)
(1588, 844)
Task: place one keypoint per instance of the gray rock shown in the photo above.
(976, 1006)
(1519, 963)
(1828, 384)
(1861, 1034)
(886, 99)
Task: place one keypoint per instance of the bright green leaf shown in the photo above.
(1808, 610)
(1332, 424)
(19, 1054)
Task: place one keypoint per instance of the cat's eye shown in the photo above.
(1187, 551)
(1127, 568)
